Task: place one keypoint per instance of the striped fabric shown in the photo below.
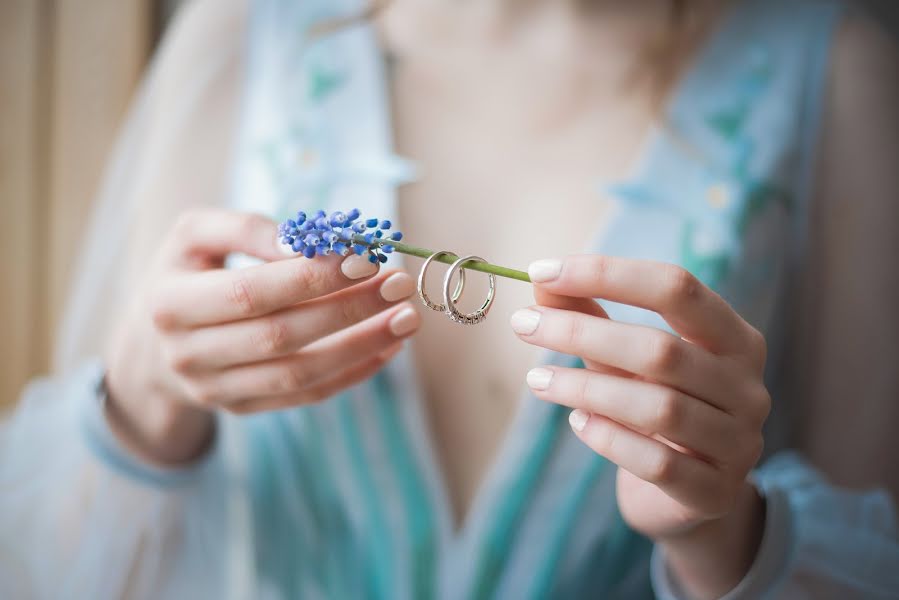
(347, 497)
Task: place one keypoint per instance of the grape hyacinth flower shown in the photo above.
(322, 234)
(344, 233)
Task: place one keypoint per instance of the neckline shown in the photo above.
(457, 544)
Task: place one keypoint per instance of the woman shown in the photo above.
(266, 431)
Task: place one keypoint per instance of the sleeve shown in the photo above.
(820, 541)
(82, 518)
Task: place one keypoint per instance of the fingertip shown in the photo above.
(358, 266)
(404, 321)
(578, 419)
(544, 270)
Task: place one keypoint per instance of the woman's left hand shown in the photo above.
(681, 415)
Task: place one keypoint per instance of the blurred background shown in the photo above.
(68, 69)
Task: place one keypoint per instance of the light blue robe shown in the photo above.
(345, 499)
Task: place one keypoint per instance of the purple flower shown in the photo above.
(321, 234)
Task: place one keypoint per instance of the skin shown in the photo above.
(661, 406)
(287, 332)
(682, 419)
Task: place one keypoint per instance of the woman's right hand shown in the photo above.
(287, 332)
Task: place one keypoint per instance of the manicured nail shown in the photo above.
(397, 286)
(539, 378)
(578, 419)
(545, 269)
(358, 266)
(403, 322)
(525, 321)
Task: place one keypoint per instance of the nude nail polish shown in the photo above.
(525, 321)
(539, 378)
(578, 419)
(404, 322)
(358, 266)
(397, 286)
(544, 270)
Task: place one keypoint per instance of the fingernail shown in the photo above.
(578, 419)
(397, 286)
(539, 378)
(545, 269)
(403, 322)
(525, 321)
(357, 266)
(285, 249)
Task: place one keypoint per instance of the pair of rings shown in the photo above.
(449, 300)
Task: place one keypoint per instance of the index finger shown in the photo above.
(687, 305)
(222, 295)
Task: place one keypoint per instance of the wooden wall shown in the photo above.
(67, 72)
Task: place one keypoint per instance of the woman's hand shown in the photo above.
(682, 416)
(288, 332)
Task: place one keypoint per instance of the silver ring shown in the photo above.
(421, 284)
(454, 313)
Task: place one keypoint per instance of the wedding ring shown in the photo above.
(421, 284)
(454, 313)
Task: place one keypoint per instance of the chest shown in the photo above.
(502, 176)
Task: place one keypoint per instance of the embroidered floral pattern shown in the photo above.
(308, 158)
(720, 195)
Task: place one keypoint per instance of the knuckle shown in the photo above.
(661, 466)
(606, 438)
(289, 378)
(679, 285)
(576, 332)
(241, 297)
(202, 393)
(584, 390)
(759, 404)
(669, 414)
(308, 277)
(162, 314)
(758, 345)
(179, 358)
(352, 312)
(273, 336)
(602, 267)
(665, 353)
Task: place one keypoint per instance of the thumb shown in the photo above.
(203, 238)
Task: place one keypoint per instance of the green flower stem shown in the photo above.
(448, 259)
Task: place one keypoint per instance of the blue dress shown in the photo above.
(345, 499)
